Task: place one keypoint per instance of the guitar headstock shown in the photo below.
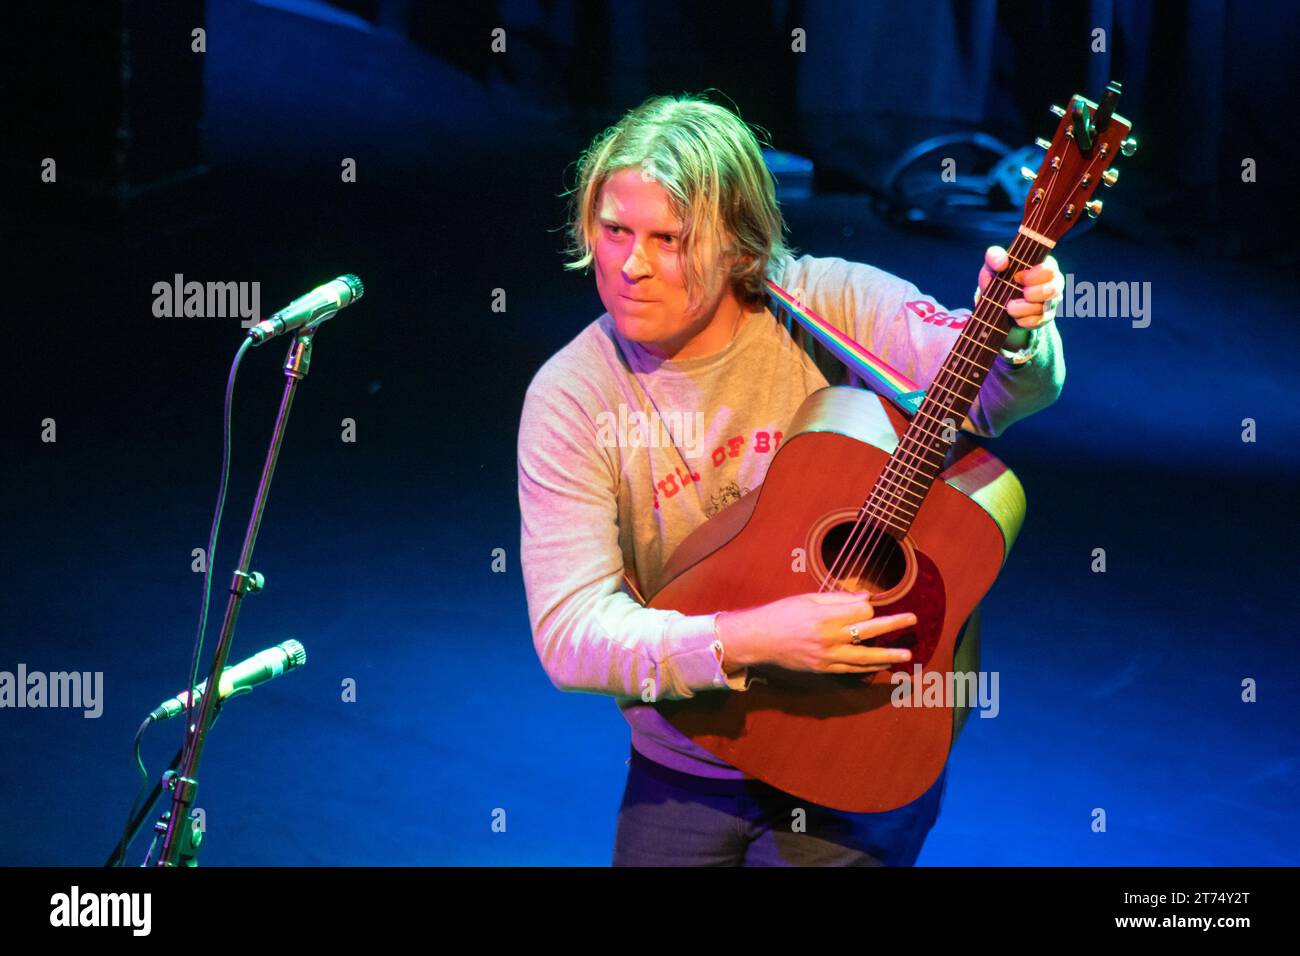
(1088, 139)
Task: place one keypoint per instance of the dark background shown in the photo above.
(1119, 691)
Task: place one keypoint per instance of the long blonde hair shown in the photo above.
(710, 163)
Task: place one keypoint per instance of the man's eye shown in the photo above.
(670, 241)
(613, 230)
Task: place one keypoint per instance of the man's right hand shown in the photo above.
(810, 632)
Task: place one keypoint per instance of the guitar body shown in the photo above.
(837, 740)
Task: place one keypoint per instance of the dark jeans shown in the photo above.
(670, 818)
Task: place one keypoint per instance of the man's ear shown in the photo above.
(730, 254)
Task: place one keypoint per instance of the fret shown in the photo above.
(891, 487)
(938, 421)
(899, 522)
(901, 487)
(1013, 287)
(886, 519)
(913, 467)
(959, 354)
(980, 320)
(935, 440)
(1033, 253)
(891, 480)
(902, 494)
(919, 451)
(945, 388)
(935, 386)
(921, 478)
(902, 509)
(981, 345)
(969, 360)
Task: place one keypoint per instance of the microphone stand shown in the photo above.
(184, 783)
(192, 837)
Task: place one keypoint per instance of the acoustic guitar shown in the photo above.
(860, 498)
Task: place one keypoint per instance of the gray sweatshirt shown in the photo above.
(602, 487)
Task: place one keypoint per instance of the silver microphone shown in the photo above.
(315, 307)
(241, 678)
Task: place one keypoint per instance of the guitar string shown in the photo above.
(891, 475)
(1035, 223)
(899, 479)
(900, 476)
(876, 529)
(894, 473)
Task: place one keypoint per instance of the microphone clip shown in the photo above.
(247, 582)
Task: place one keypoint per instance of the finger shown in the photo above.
(850, 612)
(1044, 292)
(840, 597)
(995, 257)
(855, 669)
(1020, 309)
(853, 656)
(1041, 272)
(874, 627)
(1034, 321)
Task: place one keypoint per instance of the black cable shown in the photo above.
(123, 844)
(212, 535)
(119, 854)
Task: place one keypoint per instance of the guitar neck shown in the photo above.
(900, 490)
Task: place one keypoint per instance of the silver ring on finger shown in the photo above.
(854, 632)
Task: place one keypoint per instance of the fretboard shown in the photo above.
(898, 493)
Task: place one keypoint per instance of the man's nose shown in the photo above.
(637, 265)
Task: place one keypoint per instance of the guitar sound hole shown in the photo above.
(863, 558)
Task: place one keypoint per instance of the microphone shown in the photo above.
(241, 678)
(310, 310)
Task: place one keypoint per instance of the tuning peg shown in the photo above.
(1028, 173)
(1109, 177)
(1129, 146)
(1058, 110)
(1094, 208)
(1044, 143)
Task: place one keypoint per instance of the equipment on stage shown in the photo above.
(920, 545)
(241, 678)
(309, 311)
(180, 833)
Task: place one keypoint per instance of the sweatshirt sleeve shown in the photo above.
(914, 333)
(589, 633)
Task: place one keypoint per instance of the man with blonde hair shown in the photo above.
(676, 212)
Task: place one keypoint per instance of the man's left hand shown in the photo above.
(1039, 298)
